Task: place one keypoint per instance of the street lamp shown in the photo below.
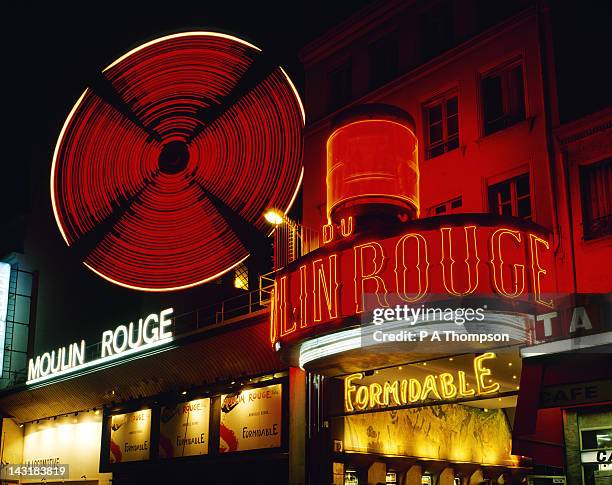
(287, 237)
(274, 217)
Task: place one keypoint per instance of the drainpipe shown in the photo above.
(565, 161)
(550, 99)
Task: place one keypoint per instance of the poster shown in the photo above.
(130, 436)
(66, 440)
(440, 432)
(183, 429)
(251, 419)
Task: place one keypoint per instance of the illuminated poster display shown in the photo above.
(251, 419)
(130, 436)
(68, 440)
(5, 277)
(183, 429)
(438, 432)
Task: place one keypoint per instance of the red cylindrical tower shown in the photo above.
(372, 165)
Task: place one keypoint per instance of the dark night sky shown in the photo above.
(50, 51)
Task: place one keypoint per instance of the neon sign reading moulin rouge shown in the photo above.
(450, 259)
(123, 341)
(443, 386)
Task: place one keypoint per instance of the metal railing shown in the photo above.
(292, 241)
(266, 287)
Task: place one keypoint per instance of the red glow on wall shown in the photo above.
(177, 148)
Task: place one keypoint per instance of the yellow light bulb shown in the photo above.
(274, 217)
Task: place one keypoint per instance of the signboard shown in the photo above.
(575, 314)
(391, 478)
(599, 456)
(422, 261)
(183, 429)
(251, 419)
(5, 278)
(579, 393)
(130, 436)
(67, 440)
(146, 333)
(413, 384)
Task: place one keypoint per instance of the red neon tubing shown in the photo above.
(133, 172)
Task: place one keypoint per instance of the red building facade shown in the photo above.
(484, 102)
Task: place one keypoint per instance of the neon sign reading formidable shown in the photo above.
(447, 257)
(401, 392)
(124, 340)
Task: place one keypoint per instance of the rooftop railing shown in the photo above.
(292, 241)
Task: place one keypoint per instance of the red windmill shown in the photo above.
(166, 163)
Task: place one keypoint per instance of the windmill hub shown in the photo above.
(173, 157)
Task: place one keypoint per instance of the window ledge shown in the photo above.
(459, 150)
(594, 241)
(528, 122)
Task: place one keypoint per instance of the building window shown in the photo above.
(340, 87)
(511, 198)
(383, 56)
(241, 277)
(446, 207)
(436, 30)
(442, 118)
(503, 98)
(596, 181)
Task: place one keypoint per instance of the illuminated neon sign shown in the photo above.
(125, 340)
(401, 392)
(470, 256)
(5, 278)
